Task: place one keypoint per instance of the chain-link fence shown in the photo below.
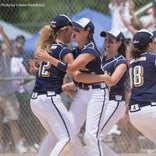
(26, 17)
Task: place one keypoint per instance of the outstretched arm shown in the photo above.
(6, 41)
(128, 25)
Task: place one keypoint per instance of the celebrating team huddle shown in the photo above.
(99, 99)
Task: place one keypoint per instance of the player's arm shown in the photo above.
(117, 74)
(69, 58)
(110, 80)
(6, 41)
(113, 2)
(69, 89)
(77, 64)
(149, 23)
(89, 77)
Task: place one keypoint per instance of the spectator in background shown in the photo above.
(145, 19)
(27, 121)
(135, 23)
(131, 143)
(19, 51)
(133, 26)
(117, 23)
(151, 24)
(8, 102)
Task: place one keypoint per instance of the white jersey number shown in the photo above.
(136, 76)
(43, 72)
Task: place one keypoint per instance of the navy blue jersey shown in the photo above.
(49, 77)
(143, 78)
(110, 66)
(94, 66)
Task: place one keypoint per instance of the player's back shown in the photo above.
(143, 78)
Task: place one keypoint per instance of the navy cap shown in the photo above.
(114, 33)
(83, 23)
(61, 21)
(142, 38)
(154, 2)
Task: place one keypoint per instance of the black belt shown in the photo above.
(134, 107)
(117, 97)
(90, 86)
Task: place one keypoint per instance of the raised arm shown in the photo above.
(112, 2)
(126, 23)
(6, 41)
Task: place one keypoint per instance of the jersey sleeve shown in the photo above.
(122, 61)
(63, 52)
(90, 51)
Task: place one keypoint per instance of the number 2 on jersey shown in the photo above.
(43, 70)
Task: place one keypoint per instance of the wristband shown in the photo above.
(62, 66)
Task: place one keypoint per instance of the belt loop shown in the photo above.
(50, 93)
(118, 97)
(153, 103)
(83, 86)
(103, 85)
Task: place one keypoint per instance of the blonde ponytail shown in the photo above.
(46, 39)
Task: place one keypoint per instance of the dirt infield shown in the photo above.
(34, 154)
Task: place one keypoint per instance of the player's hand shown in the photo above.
(106, 78)
(42, 55)
(34, 64)
(69, 89)
(69, 86)
(120, 9)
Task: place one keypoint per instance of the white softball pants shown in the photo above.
(94, 121)
(57, 121)
(115, 110)
(79, 107)
(145, 121)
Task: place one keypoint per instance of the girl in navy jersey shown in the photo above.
(115, 64)
(142, 70)
(91, 98)
(46, 101)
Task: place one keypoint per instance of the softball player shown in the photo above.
(142, 70)
(46, 101)
(116, 66)
(94, 95)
